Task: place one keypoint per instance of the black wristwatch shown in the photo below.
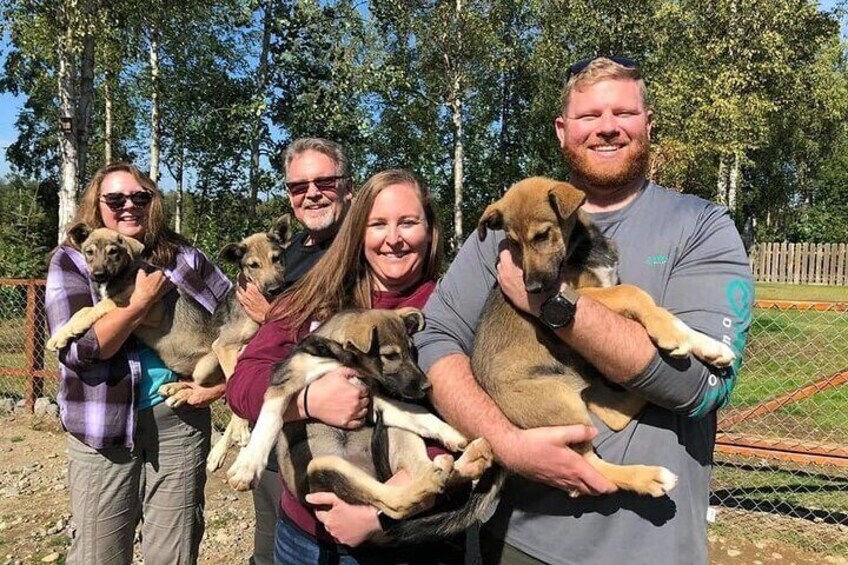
(559, 309)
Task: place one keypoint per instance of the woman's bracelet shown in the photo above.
(305, 405)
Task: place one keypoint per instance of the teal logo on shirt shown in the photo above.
(656, 260)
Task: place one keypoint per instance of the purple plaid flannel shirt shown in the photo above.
(97, 396)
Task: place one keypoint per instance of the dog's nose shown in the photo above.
(273, 289)
(534, 287)
(99, 276)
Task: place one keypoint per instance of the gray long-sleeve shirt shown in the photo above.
(686, 253)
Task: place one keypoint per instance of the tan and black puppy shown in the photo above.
(316, 457)
(188, 339)
(533, 377)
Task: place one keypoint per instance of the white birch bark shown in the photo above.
(107, 118)
(721, 195)
(261, 87)
(66, 77)
(155, 120)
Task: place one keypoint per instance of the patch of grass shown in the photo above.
(790, 349)
(16, 439)
(774, 291)
(220, 521)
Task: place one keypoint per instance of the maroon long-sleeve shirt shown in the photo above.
(273, 343)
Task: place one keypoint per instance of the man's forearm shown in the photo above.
(466, 406)
(617, 346)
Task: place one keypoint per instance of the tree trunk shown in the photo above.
(456, 107)
(458, 173)
(261, 87)
(723, 181)
(735, 175)
(155, 120)
(178, 213)
(66, 77)
(86, 102)
(107, 118)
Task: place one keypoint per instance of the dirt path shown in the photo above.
(34, 510)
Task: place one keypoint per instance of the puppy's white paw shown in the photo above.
(57, 342)
(245, 472)
(708, 349)
(241, 433)
(216, 456)
(452, 439)
(666, 481)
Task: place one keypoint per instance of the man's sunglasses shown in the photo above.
(580, 66)
(324, 184)
(116, 201)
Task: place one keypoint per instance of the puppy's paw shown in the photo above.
(711, 350)
(451, 438)
(654, 481)
(176, 394)
(411, 498)
(58, 341)
(216, 456)
(170, 389)
(241, 432)
(474, 461)
(244, 474)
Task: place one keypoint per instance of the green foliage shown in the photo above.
(759, 84)
(27, 224)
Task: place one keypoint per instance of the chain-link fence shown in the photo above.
(27, 370)
(782, 447)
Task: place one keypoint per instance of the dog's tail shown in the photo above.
(437, 526)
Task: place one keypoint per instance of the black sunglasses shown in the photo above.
(324, 184)
(580, 66)
(116, 201)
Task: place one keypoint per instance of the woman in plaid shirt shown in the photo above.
(131, 455)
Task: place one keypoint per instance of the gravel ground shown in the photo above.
(35, 516)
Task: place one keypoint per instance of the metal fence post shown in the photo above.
(33, 346)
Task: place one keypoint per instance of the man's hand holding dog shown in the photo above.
(544, 455)
(511, 281)
(338, 399)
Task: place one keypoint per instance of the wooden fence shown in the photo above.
(800, 263)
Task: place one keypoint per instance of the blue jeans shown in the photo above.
(294, 547)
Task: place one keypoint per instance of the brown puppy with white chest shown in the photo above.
(527, 370)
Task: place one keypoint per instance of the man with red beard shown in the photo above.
(686, 253)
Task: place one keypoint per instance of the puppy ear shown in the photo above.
(413, 319)
(136, 247)
(232, 252)
(492, 218)
(282, 230)
(78, 233)
(565, 199)
(364, 340)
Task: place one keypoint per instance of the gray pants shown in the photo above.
(160, 482)
(266, 504)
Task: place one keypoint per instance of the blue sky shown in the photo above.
(10, 105)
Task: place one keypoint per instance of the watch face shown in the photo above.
(557, 311)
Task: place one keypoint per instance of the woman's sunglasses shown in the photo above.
(580, 66)
(116, 201)
(324, 184)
